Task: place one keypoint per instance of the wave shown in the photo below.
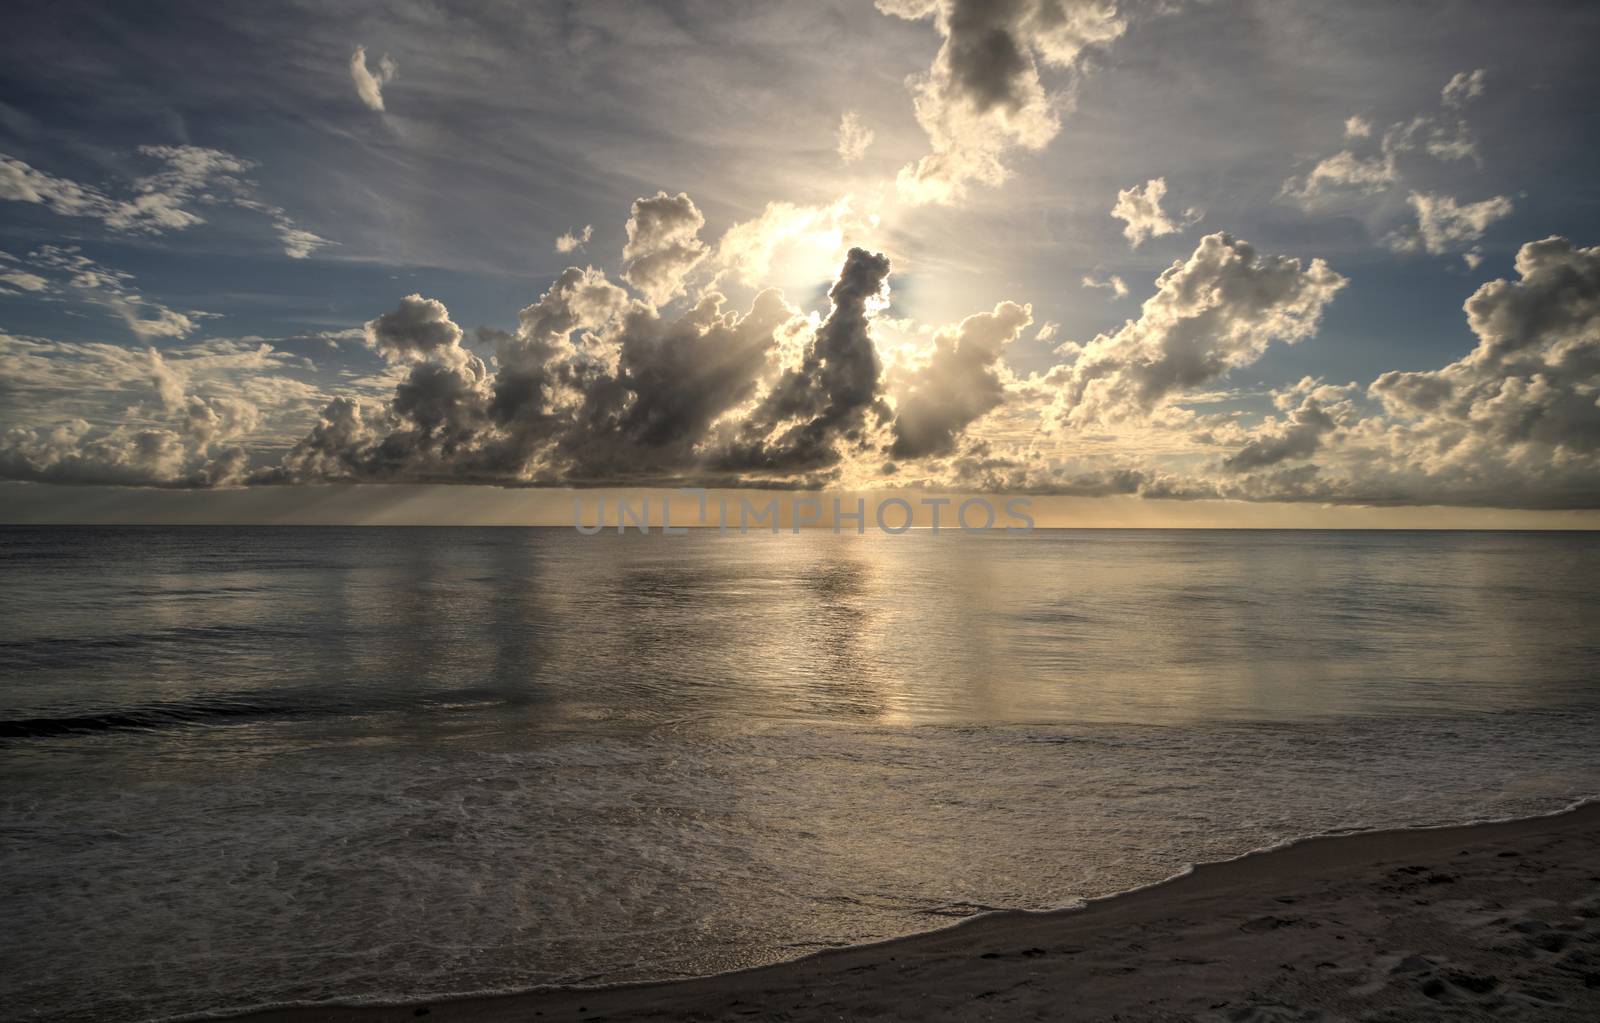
(297, 703)
(148, 718)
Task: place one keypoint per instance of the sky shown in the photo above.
(1166, 262)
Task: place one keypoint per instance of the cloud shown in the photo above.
(572, 241)
(1142, 215)
(1533, 378)
(663, 245)
(596, 387)
(632, 395)
(1343, 173)
(298, 243)
(1112, 283)
(1444, 225)
(24, 281)
(161, 201)
(70, 273)
(791, 242)
(579, 299)
(540, 366)
(674, 379)
(158, 202)
(1216, 311)
(853, 137)
(22, 183)
(1350, 174)
(1462, 87)
(1515, 423)
(822, 404)
(181, 439)
(369, 86)
(1447, 142)
(1312, 411)
(959, 384)
(983, 97)
(598, 384)
(431, 428)
(419, 329)
(75, 453)
(156, 321)
(59, 381)
(168, 383)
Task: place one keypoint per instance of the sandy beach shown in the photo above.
(1490, 921)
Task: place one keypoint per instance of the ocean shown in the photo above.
(256, 766)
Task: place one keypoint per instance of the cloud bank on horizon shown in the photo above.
(786, 348)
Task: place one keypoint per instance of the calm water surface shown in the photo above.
(261, 765)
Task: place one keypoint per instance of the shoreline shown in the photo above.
(1443, 889)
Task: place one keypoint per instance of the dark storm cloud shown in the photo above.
(539, 360)
(988, 60)
(434, 428)
(333, 450)
(800, 423)
(451, 418)
(983, 95)
(419, 328)
(673, 381)
(596, 387)
(435, 425)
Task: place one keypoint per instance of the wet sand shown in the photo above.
(1489, 921)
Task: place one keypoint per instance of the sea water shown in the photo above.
(252, 766)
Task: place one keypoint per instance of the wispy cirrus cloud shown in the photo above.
(169, 198)
(64, 272)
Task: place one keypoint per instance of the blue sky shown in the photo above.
(504, 127)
